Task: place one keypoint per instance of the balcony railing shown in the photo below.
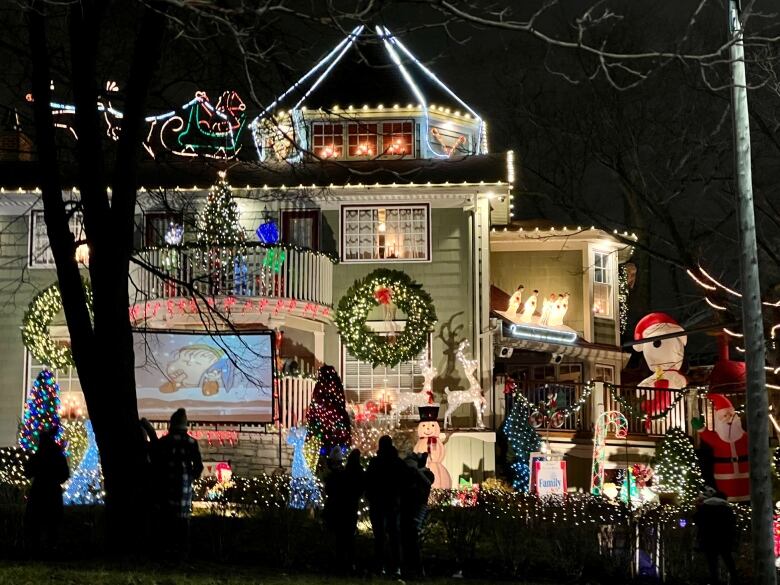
(294, 396)
(634, 402)
(255, 270)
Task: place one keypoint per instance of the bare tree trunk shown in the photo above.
(752, 320)
(103, 351)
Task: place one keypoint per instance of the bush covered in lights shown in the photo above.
(677, 468)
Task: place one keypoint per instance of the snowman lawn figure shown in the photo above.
(664, 357)
(430, 440)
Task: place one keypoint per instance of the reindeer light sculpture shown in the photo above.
(474, 392)
(407, 400)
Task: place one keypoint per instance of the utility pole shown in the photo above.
(752, 319)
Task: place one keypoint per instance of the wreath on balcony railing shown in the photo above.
(389, 290)
(36, 336)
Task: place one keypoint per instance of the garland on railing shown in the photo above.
(566, 411)
(631, 409)
(247, 245)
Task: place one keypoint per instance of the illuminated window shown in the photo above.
(396, 232)
(363, 382)
(362, 140)
(328, 140)
(397, 138)
(602, 284)
(72, 402)
(40, 252)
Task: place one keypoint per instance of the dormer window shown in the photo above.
(397, 138)
(328, 140)
(362, 140)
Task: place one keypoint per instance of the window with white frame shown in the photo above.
(604, 373)
(72, 404)
(364, 382)
(362, 140)
(40, 250)
(392, 232)
(602, 284)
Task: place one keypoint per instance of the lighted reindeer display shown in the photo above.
(407, 400)
(472, 395)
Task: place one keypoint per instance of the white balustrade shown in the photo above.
(258, 271)
(294, 398)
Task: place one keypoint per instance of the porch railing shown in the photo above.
(255, 270)
(294, 395)
(566, 395)
(635, 402)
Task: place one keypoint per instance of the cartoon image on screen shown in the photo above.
(220, 378)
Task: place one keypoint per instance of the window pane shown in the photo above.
(602, 300)
(379, 233)
(328, 140)
(40, 251)
(362, 140)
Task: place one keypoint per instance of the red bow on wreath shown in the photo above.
(383, 295)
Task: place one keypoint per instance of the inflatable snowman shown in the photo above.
(430, 440)
(664, 357)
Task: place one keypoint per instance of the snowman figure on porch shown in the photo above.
(664, 357)
(430, 440)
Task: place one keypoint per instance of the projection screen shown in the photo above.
(218, 378)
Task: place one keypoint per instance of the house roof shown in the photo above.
(369, 66)
(186, 174)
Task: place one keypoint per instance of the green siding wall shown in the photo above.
(447, 278)
(18, 285)
(546, 271)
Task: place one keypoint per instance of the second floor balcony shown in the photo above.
(253, 279)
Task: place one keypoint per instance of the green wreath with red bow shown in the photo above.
(390, 290)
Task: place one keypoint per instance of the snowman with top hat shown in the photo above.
(430, 440)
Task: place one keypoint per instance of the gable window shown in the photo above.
(157, 224)
(362, 140)
(392, 232)
(363, 382)
(397, 138)
(602, 284)
(328, 140)
(41, 255)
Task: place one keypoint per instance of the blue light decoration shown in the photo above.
(86, 485)
(240, 277)
(268, 232)
(543, 334)
(304, 489)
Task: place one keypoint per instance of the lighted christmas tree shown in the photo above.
(41, 411)
(327, 418)
(677, 468)
(218, 224)
(523, 440)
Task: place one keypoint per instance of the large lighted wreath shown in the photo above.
(35, 327)
(391, 290)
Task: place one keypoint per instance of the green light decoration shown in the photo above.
(36, 336)
(274, 258)
(677, 468)
(219, 230)
(389, 289)
(523, 440)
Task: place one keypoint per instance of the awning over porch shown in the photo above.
(579, 349)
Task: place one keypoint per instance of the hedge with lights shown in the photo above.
(385, 287)
(44, 307)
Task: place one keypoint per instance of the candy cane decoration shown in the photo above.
(610, 418)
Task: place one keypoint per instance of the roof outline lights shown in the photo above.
(349, 39)
(543, 334)
(428, 72)
(385, 34)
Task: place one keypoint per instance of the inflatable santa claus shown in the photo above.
(664, 357)
(724, 452)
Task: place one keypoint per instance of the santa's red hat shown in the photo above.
(719, 402)
(651, 323)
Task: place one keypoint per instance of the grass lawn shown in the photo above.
(90, 573)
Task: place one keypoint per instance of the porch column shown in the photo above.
(319, 348)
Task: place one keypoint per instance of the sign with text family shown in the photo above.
(550, 478)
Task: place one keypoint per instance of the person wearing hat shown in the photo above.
(664, 357)
(716, 532)
(724, 451)
(177, 462)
